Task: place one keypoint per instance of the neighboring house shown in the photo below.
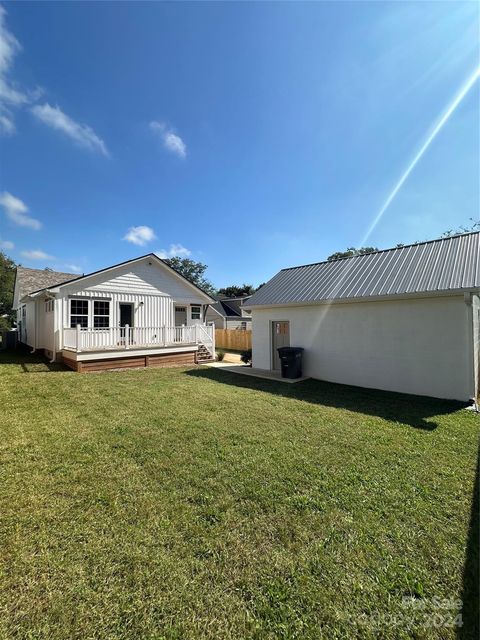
(403, 319)
(137, 313)
(230, 313)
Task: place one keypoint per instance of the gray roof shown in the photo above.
(230, 307)
(447, 264)
(225, 309)
(30, 280)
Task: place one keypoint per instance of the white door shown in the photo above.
(180, 316)
(280, 338)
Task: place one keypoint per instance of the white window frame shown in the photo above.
(77, 315)
(199, 312)
(101, 315)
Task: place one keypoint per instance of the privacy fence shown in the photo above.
(236, 339)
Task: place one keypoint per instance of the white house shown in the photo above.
(137, 313)
(404, 319)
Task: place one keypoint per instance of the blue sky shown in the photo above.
(251, 136)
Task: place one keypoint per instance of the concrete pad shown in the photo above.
(255, 373)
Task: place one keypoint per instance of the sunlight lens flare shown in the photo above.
(435, 131)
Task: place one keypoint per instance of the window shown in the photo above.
(24, 311)
(101, 314)
(49, 306)
(243, 325)
(196, 313)
(79, 313)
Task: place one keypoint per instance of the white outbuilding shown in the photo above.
(403, 319)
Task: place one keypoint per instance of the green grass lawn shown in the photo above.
(195, 503)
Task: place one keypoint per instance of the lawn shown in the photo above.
(195, 503)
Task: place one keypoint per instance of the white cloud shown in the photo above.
(140, 235)
(36, 254)
(171, 141)
(174, 250)
(73, 267)
(17, 211)
(6, 244)
(10, 95)
(13, 97)
(81, 134)
(7, 126)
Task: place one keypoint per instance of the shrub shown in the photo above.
(220, 355)
(246, 356)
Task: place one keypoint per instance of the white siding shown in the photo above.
(151, 288)
(30, 324)
(48, 333)
(148, 310)
(476, 341)
(144, 277)
(236, 323)
(417, 346)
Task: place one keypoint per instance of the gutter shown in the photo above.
(445, 293)
(472, 357)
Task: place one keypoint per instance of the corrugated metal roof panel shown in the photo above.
(439, 265)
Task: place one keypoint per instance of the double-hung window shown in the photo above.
(196, 312)
(101, 314)
(79, 313)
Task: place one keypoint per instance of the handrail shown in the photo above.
(97, 338)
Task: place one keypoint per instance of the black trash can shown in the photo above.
(291, 361)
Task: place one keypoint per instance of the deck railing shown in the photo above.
(97, 339)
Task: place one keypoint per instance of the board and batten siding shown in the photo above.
(30, 324)
(418, 346)
(148, 310)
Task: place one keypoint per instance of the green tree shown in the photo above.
(351, 251)
(192, 271)
(7, 279)
(236, 291)
(473, 225)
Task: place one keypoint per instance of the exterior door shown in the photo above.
(126, 314)
(180, 316)
(280, 338)
(126, 317)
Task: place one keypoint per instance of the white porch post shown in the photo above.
(79, 338)
(127, 336)
(212, 325)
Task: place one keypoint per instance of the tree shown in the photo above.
(350, 252)
(236, 291)
(7, 279)
(192, 271)
(474, 225)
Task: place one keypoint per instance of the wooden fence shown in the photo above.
(237, 339)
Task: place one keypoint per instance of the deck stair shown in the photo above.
(203, 354)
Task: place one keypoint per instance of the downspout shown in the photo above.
(54, 351)
(35, 316)
(471, 356)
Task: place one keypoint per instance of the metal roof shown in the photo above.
(447, 264)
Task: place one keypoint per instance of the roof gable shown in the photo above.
(447, 264)
(146, 274)
(224, 309)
